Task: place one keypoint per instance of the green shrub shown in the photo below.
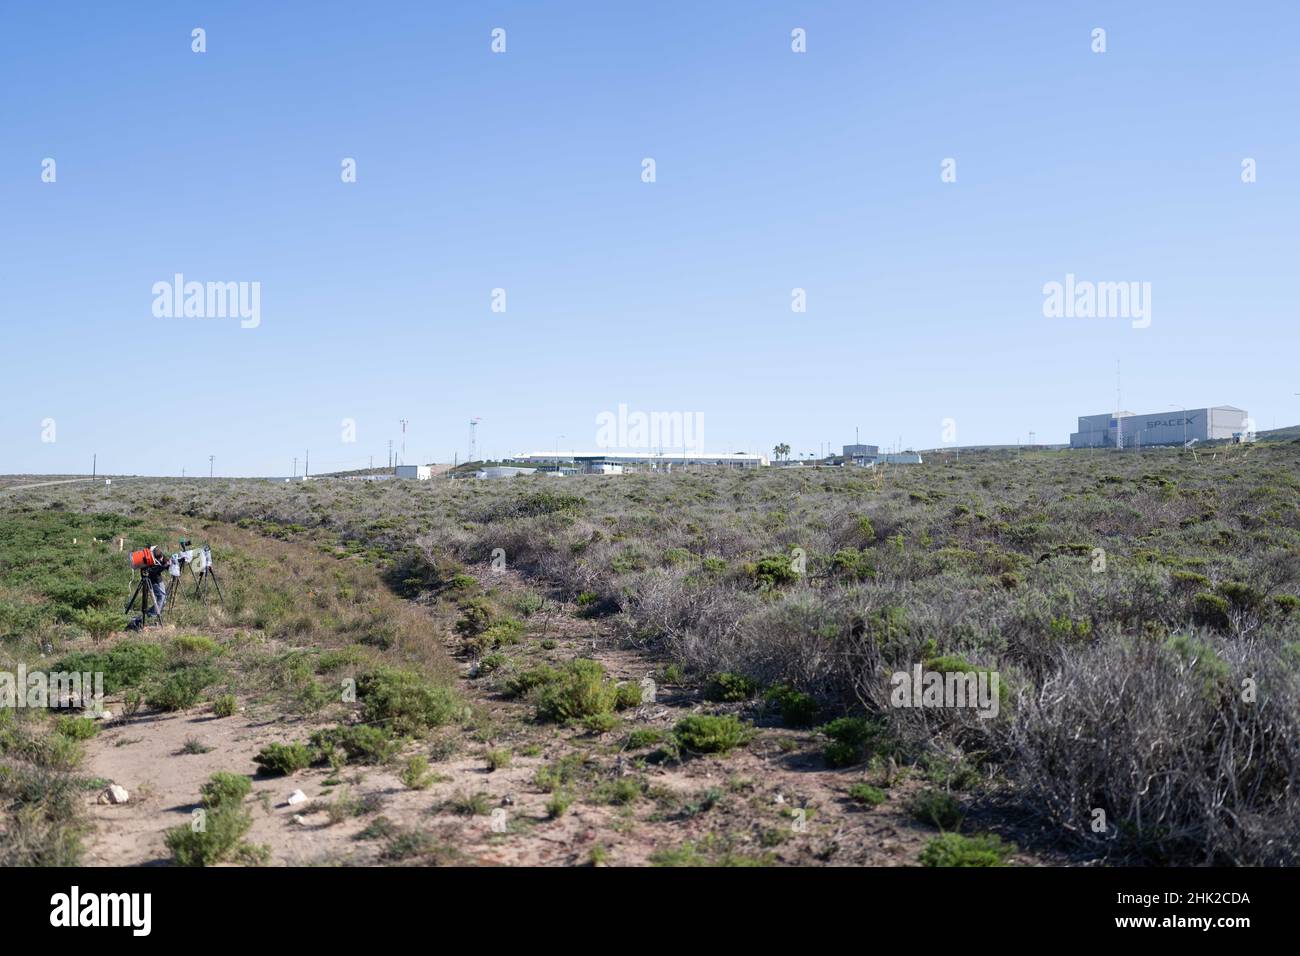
(76, 728)
(866, 794)
(99, 623)
(558, 804)
(713, 566)
(406, 701)
(283, 759)
(671, 674)
(852, 564)
(936, 808)
(416, 774)
(361, 743)
(797, 709)
(351, 656)
(475, 616)
(730, 687)
(215, 835)
(581, 690)
(709, 734)
(195, 645)
(623, 791)
(498, 759)
(953, 849)
(181, 689)
(601, 723)
(470, 804)
(520, 684)
(644, 737)
(225, 789)
(627, 695)
(128, 664)
(772, 571)
(225, 705)
(222, 831)
(951, 663)
(840, 754)
(1210, 610)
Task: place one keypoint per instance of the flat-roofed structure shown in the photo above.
(1171, 427)
(596, 461)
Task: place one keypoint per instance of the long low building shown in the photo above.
(1170, 427)
(598, 461)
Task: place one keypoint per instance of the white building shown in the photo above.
(418, 472)
(599, 462)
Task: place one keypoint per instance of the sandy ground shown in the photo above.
(752, 798)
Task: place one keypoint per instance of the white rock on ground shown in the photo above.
(116, 794)
(296, 798)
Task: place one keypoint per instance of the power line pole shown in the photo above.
(211, 459)
(390, 454)
(403, 422)
(295, 466)
(306, 465)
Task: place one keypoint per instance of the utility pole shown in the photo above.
(211, 459)
(372, 463)
(295, 466)
(306, 465)
(390, 454)
(94, 464)
(403, 422)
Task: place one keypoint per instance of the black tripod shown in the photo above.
(145, 593)
(180, 562)
(209, 573)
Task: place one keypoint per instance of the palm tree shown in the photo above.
(781, 450)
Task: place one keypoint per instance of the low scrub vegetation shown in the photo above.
(1141, 613)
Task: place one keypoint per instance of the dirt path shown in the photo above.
(772, 802)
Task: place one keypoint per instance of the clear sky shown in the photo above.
(775, 170)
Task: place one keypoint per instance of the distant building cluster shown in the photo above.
(1171, 427)
(616, 462)
(869, 455)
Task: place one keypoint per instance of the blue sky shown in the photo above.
(522, 171)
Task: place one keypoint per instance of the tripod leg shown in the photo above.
(216, 584)
(134, 594)
(146, 593)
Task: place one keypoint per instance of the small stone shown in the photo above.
(296, 798)
(103, 715)
(116, 794)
